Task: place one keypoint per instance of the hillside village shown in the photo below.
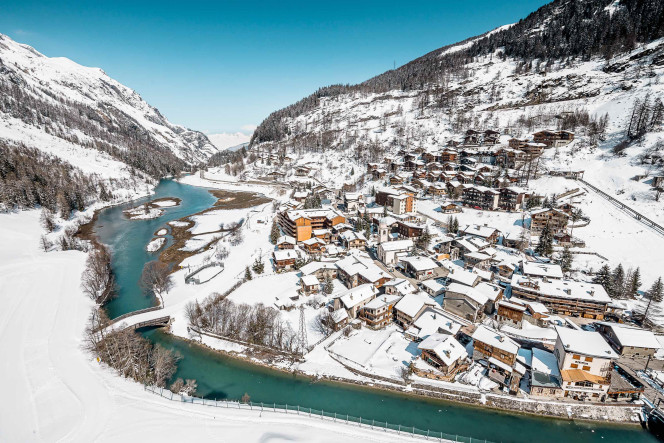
(395, 285)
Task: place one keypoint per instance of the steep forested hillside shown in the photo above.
(559, 31)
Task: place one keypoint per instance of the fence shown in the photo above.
(347, 419)
(189, 277)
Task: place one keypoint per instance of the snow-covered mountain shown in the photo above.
(567, 65)
(229, 140)
(53, 100)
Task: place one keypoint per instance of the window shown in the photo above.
(589, 359)
(586, 368)
(576, 357)
(573, 366)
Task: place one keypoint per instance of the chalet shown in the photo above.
(392, 252)
(408, 309)
(314, 245)
(321, 270)
(554, 218)
(379, 174)
(285, 242)
(309, 284)
(355, 270)
(433, 320)
(421, 268)
(399, 286)
(302, 171)
(499, 354)
(553, 139)
(478, 260)
(450, 208)
(585, 361)
(432, 287)
(339, 319)
(437, 189)
(505, 269)
(563, 297)
(511, 199)
(353, 201)
(517, 240)
(443, 355)
(409, 229)
(396, 179)
(487, 233)
(465, 301)
(480, 197)
(379, 312)
(323, 234)
(467, 245)
(630, 341)
(510, 313)
(353, 240)
(285, 259)
(459, 275)
(355, 298)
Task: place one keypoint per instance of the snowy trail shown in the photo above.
(54, 391)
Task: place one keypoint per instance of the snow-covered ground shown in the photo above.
(155, 244)
(54, 391)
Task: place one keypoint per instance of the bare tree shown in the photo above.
(98, 281)
(156, 279)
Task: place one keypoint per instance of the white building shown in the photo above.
(393, 251)
(585, 361)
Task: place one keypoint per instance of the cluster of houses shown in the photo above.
(466, 299)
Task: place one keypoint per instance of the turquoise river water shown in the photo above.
(222, 377)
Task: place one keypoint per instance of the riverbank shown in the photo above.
(55, 391)
(182, 232)
(622, 414)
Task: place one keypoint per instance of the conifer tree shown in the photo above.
(618, 282)
(328, 285)
(634, 283)
(566, 260)
(545, 245)
(274, 233)
(247, 274)
(656, 294)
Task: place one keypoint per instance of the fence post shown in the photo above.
(274, 405)
(322, 414)
(335, 416)
(399, 430)
(298, 409)
(286, 408)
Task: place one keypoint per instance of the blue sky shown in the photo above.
(224, 66)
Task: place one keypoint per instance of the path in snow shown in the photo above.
(54, 391)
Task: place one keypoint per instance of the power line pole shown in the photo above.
(303, 331)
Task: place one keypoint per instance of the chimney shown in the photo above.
(501, 338)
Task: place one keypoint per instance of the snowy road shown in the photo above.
(54, 391)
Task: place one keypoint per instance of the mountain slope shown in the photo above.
(44, 97)
(560, 30)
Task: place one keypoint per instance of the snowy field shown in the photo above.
(59, 393)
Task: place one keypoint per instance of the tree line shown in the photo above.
(257, 324)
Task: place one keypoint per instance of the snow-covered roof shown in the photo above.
(638, 338)
(411, 303)
(534, 269)
(433, 320)
(314, 266)
(433, 285)
(286, 239)
(339, 315)
(383, 300)
(357, 295)
(460, 275)
(285, 254)
(420, 263)
(568, 289)
(401, 285)
(309, 280)
(364, 266)
(313, 241)
(469, 292)
(446, 347)
(397, 245)
(488, 290)
(585, 342)
(495, 339)
(352, 235)
(545, 362)
(478, 230)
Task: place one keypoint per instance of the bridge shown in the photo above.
(144, 318)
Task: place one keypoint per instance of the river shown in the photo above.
(223, 377)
